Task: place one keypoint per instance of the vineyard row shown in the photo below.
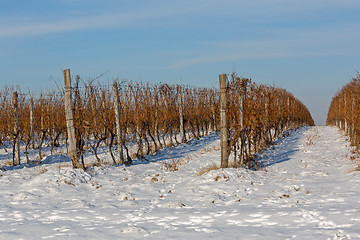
(151, 116)
(255, 116)
(344, 110)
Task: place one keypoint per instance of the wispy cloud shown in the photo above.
(112, 18)
(145, 12)
(292, 43)
(66, 25)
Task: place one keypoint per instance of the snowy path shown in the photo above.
(306, 191)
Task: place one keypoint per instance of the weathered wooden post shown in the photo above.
(340, 123)
(156, 127)
(104, 116)
(16, 148)
(267, 130)
(352, 130)
(70, 121)
(139, 133)
(345, 116)
(288, 113)
(224, 135)
(242, 127)
(280, 105)
(181, 115)
(118, 123)
(213, 110)
(32, 123)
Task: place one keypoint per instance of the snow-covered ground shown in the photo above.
(307, 190)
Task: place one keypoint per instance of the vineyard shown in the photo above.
(257, 115)
(344, 111)
(147, 162)
(179, 120)
(151, 116)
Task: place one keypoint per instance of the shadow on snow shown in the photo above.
(51, 159)
(179, 151)
(282, 150)
(167, 153)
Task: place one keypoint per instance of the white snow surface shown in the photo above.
(307, 190)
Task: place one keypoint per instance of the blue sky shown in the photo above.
(309, 47)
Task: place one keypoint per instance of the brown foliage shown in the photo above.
(268, 112)
(344, 110)
(149, 115)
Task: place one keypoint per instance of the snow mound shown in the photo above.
(70, 176)
(124, 196)
(83, 204)
(133, 229)
(73, 176)
(173, 205)
(22, 196)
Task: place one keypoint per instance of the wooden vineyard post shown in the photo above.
(104, 116)
(70, 121)
(138, 130)
(32, 123)
(242, 128)
(267, 132)
(181, 108)
(213, 110)
(340, 123)
(118, 123)
(288, 114)
(16, 152)
(278, 126)
(352, 134)
(157, 119)
(224, 135)
(345, 116)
